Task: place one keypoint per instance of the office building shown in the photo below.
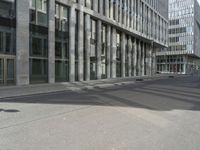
(183, 54)
(48, 41)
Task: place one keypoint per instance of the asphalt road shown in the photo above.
(153, 115)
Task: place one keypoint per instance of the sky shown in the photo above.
(198, 1)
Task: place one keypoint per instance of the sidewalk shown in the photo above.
(16, 91)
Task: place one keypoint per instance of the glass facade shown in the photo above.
(61, 43)
(38, 41)
(90, 44)
(181, 39)
(7, 41)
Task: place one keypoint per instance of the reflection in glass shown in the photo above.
(61, 43)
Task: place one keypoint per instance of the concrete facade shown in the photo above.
(183, 54)
(76, 40)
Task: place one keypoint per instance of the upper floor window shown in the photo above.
(38, 12)
(40, 5)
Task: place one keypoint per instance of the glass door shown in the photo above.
(7, 70)
(10, 74)
(1, 72)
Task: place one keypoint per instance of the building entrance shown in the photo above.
(7, 70)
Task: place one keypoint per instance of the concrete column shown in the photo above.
(95, 5)
(113, 52)
(153, 63)
(127, 13)
(124, 14)
(87, 46)
(150, 60)
(99, 47)
(108, 54)
(51, 42)
(143, 59)
(107, 8)
(139, 58)
(139, 17)
(143, 17)
(88, 3)
(123, 48)
(81, 2)
(101, 7)
(135, 17)
(135, 57)
(72, 44)
(129, 56)
(111, 9)
(120, 11)
(22, 42)
(116, 11)
(132, 16)
(80, 46)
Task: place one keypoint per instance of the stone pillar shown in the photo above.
(80, 46)
(108, 44)
(138, 19)
(150, 60)
(51, 42)
(101, 7)
(135, 16)
(88, 3)
(111, 9)
(22, 42)
(129, 56)
(139, 58)
(120, 12)
(127, 13)
(116, 11)
(124, 14)
(143, 58)
(132, 16)
(72, 44)
(135, 57)
(99, 47)
(113, 52)
(107, 8)
(95, 5)
(153, 63)
(123, 49)
(87, 46)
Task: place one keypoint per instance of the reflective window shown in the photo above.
(38, 41)
(7, 26)
(61, 43)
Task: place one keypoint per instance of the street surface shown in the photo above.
(152, 115)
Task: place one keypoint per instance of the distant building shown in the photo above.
(183, 54)
(48, 41)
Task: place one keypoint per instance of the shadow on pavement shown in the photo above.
(9, 110)
(159, 95)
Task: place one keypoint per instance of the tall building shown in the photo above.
(48, 41)
(183, 54)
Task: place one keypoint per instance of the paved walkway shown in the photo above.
(13, 91)
(154, 115)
